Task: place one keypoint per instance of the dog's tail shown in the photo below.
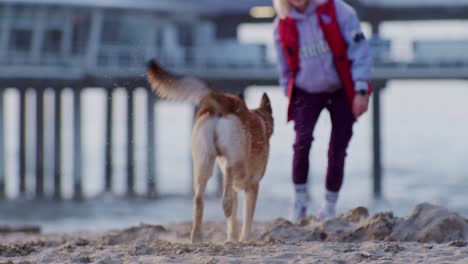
(173, 87)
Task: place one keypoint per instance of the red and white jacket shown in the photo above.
(323, 50)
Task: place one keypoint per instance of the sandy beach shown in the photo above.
(430, 234)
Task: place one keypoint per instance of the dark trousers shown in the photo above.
(306, 110)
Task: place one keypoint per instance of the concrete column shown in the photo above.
(5, 31)
(130, 143)
(2, 146)
(67, 29)
(109, 146)
(171, 51)
(226, 26)
(58, 144)
(38, 35)
(150, 44)
(377, 139)
(375, 27)
(151, 148)
(205, 33)
(22, 142)
(77, 146)
(40, 164)
(94, 39)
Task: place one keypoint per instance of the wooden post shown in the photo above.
(2, 147)
(130, 143)
(58, 144)
(108, 142)
(77, 162)
(39, 142)
(376, 132)
(22, 141)
(151, 160)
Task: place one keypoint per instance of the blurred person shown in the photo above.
(324, 63)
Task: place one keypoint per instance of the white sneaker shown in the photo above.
(300, 203)
(328, 210)
(299, 211)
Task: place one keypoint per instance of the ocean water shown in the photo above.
(424, 144)
(425, 159)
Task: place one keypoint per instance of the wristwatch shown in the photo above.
(362, 88)
(363, 92)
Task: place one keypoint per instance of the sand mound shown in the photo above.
(368, 238)
(427, 223)
(142, 232)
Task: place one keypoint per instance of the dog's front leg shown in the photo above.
(250, 201)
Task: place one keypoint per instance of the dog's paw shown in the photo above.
(245, 239)
(231, 242)
(232, 237)
(196, 237)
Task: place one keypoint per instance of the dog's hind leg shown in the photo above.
(250, 201)
(203, 153)
(232, 225)
(233, 172)
(229, 205)
(232, 145)
(202, 172)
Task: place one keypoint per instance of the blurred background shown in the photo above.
(84, 145)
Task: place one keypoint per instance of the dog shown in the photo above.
(226, 131)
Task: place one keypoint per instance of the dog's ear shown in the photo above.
(265, 103)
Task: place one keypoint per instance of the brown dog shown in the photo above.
(227, 131)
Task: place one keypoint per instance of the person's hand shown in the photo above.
(360, 104)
